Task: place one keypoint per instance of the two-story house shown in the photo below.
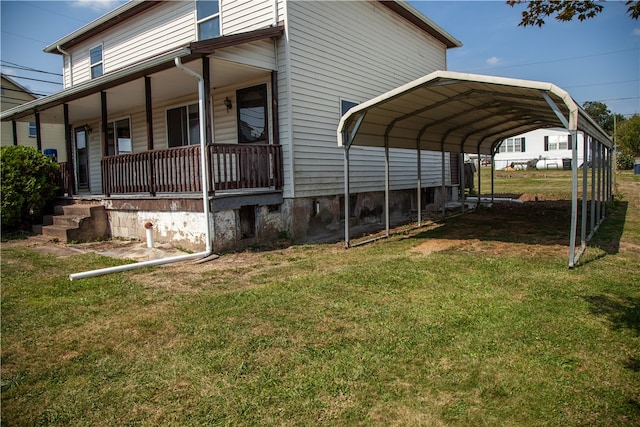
(261, 85)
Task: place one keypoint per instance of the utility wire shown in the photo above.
(25, 68)
(37, 80)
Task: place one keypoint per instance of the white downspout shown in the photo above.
(64, 52)
(205, 199)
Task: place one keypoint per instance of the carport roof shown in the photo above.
(459, 112)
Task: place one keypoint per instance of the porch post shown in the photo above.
(38, 132)
(15, 132)
(206, 76)
(103, 127)
(275, 117)
(148, 111)
(70, 153)
(149, 120)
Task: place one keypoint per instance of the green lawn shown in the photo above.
(492, 329)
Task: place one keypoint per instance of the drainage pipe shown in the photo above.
(205, 199)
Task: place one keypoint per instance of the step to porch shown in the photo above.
(75, 223)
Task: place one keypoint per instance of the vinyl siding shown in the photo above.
(168, 26)
(352, 51)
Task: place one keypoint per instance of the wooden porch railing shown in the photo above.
(63, 178)
(177, 170)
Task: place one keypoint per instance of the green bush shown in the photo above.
(625, 161)
(28, 184)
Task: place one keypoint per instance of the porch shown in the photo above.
(232, 167)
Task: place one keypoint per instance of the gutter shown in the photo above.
(64, 52)
(205, 198)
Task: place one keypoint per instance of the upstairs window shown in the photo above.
(512, 145)
(208, 16)
(95, 55)
(183, 125)
(252, 114)
(33, 132)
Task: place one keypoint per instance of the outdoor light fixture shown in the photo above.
(227, 103)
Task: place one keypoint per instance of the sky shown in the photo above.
(593, 60)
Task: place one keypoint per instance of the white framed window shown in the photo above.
(512, 145)
(208, 19)
(119, 137)
(557, 142)
(95, 57)
(33, 131)
(183, 125)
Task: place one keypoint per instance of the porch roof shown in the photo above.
(136, 71)
(458, 112)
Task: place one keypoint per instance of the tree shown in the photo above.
(628, 136)
(27, 185)
(565, 10)
(600, 113)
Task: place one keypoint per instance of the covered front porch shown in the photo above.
(139, 130)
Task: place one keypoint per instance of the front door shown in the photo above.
(82, 156)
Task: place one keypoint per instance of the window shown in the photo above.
(512, 145)
(252, 114)
(183, 125)
(118, 137)
(95, 55)
(33, 131)
(345, 106)
(557, 142)
(208, 15)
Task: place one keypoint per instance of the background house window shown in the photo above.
(512, 145)
(118, 137)
(183, 125)
(96, 61)
(33, 131)
(557, 142)
(252, 114)
(208, 15)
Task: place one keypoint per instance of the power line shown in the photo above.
(25, 68)
(24, 37)
(36, 80)
(601, 84)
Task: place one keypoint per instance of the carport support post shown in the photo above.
(386, 185)
(592, 218)
(574, 200)
(419, 195)
(462, 183)
(479, 188)
(347, 207)
(444, 192)
(583, 222)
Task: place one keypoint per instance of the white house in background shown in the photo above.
(277, 76)
(544, 148)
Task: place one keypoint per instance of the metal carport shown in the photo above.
(466, 113)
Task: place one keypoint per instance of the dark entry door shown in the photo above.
(82, 156)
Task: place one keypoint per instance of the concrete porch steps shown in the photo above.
(75, 223)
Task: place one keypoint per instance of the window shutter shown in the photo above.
(546, 143)
(570, 142)
(522, 147)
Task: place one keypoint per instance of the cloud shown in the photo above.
(636, 32)
(97, 5)
(494, 60)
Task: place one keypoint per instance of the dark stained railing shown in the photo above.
(63, 179)
(177, 170)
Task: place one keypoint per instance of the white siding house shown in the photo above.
(277, 76)
(541, 148)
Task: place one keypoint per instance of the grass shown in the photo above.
(491, 331)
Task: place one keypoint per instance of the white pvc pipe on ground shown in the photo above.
(205, 199)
